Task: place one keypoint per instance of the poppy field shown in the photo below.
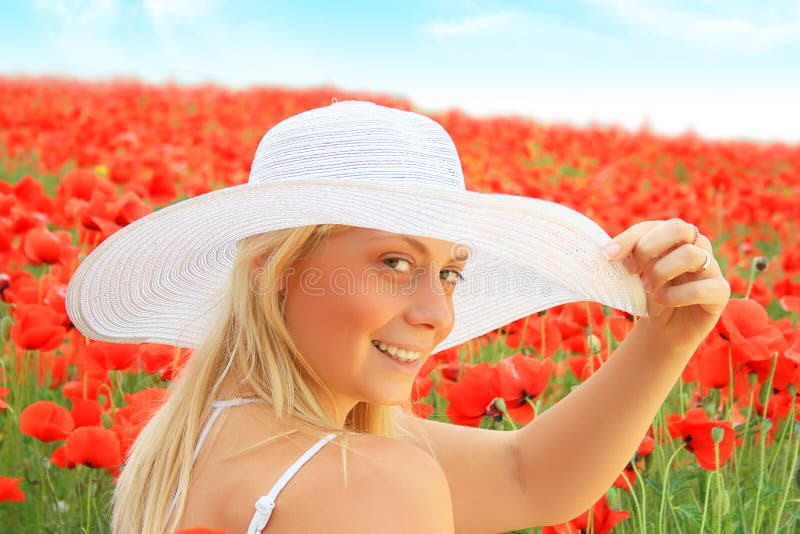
(80, 160)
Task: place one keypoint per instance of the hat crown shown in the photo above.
(355, 140)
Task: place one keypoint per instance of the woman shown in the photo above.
(312, 295)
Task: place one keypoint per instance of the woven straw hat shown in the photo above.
(157, 280)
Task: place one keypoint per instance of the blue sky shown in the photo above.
(726, 69)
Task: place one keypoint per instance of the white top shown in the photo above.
(266, 503)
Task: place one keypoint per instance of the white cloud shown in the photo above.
(471, 24)
(713, 24)
(163, 10)
(79, 14)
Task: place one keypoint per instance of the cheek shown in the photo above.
(323, 318)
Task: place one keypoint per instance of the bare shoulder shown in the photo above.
(399, 488)
(392, 486)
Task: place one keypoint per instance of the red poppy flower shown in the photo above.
(520, 380)
(533, 334)
(164, 359)
(20, 287)
(59, 458)
(130, 419)
(31, 194)
(38, 327)
(791, 303)
(93, 446)
(88, 388)
(603, 520)
(81, 183)
(9, 489)
(43, 246)
(473, 396)
(421, 409)
(46, 421)
(695, 429)
(3, 393)
(746, 324)
(645, 448)
(86, 413)
(111, 356)
(421, 388)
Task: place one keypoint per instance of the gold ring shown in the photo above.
(696, 234)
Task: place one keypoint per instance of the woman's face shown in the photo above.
(364, 285)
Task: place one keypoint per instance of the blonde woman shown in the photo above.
(313, 294)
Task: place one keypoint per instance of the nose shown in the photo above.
(431, 304)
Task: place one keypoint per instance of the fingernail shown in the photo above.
(611, 251)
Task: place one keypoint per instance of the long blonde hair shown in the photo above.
(250, 338)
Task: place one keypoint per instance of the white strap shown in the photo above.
(217, 409)
(266, 504)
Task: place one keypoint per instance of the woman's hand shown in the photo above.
(683, 301)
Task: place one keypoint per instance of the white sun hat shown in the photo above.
(157, 280)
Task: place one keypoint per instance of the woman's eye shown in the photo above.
(396, 259)
(455, 275)
(458, 277)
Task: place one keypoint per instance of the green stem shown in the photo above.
(665, 486)
(718, 478)
(705, 502)
(524, 331)
(633, 496)
(643, 515)
(730, 381)
(762, 452)
(508, 418)
(791, 471)
(752, 277)
(89, 502)
(746, 437)
(777, 446)
(738, 491)
(544, 331)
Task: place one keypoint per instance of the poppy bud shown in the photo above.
(5, 328)
(594, 344)
(613, 501)
(500, 404)
(764, 394)
(721, 504)
(717, 433)
(753, 378)
(760, 263)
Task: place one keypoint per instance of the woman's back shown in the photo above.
(223, 492)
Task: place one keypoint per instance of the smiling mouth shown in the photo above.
(397, 357)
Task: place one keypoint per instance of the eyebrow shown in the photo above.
(419, 245)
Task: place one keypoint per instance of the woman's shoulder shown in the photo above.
(389, 483)
(352, 478)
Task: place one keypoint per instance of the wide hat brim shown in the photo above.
(158, 279)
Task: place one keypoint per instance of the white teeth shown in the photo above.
(398, 353)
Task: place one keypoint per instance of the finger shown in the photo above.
(660, 240)
(628, 238)
(685, 259)
(712, 293)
